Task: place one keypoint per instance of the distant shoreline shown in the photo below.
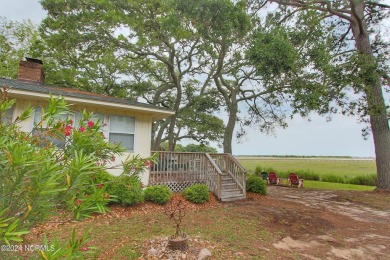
(297, 157)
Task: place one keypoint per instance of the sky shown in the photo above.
(339, 137)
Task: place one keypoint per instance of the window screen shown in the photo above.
(122, 130)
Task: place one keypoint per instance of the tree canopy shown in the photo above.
(356, 65)
(16, 39)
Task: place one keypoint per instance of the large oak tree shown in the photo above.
(363, 54)
(140, 50)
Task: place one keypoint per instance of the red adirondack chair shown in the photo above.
(273, 178)
(293, 179)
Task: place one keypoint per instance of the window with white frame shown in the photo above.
(76, 117)
(121, 131)
(95, 117)
(57, 141)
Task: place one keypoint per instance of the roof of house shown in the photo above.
(75, 93)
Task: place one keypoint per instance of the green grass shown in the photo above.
(348, 167)
(335, 186)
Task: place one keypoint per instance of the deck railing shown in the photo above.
(179, 170)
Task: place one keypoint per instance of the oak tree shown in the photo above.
(362, 53)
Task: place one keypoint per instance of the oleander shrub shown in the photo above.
(99, 180)
(197, 193)
(127, 190)
(159, 194)
(256, 184)
(57, 165)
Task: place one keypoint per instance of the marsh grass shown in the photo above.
(350, 171)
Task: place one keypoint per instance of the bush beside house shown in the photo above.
(158, 194)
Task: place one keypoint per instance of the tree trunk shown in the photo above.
(156, 141)
(171, 133)
(381, 134)
(373, 90)
(229, 130)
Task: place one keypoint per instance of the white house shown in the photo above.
(126, 122)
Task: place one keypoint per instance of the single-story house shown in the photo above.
(126, 122)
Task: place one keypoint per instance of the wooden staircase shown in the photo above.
(222, 173)
(230, 191)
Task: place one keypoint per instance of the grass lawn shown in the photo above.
(341, 167)
(336, 186)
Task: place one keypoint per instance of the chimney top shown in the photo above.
(31, 70)
(34, 60)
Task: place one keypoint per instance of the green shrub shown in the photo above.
(369, 180)
(256, 184)
(198, 193)
(159, 194)
(332, 178)
(258, 170)
(98, 180)
(126, 189)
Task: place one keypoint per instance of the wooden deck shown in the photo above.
(223, 175)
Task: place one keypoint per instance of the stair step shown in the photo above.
(227, 180)
(233, 187)
(227, 185)
(224, 192)
(232, 191)
(233, 197)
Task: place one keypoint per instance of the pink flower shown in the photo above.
(82, 129)
(78, 202)
(68, 130)
(90, 124)
(100, 186)
(147, 163)
(85, 248)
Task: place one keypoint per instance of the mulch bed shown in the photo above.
(118, 212)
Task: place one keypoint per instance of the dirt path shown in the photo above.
(326, 224)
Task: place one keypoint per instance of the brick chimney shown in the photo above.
(31, 70)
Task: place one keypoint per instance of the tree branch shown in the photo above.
(338, 12)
